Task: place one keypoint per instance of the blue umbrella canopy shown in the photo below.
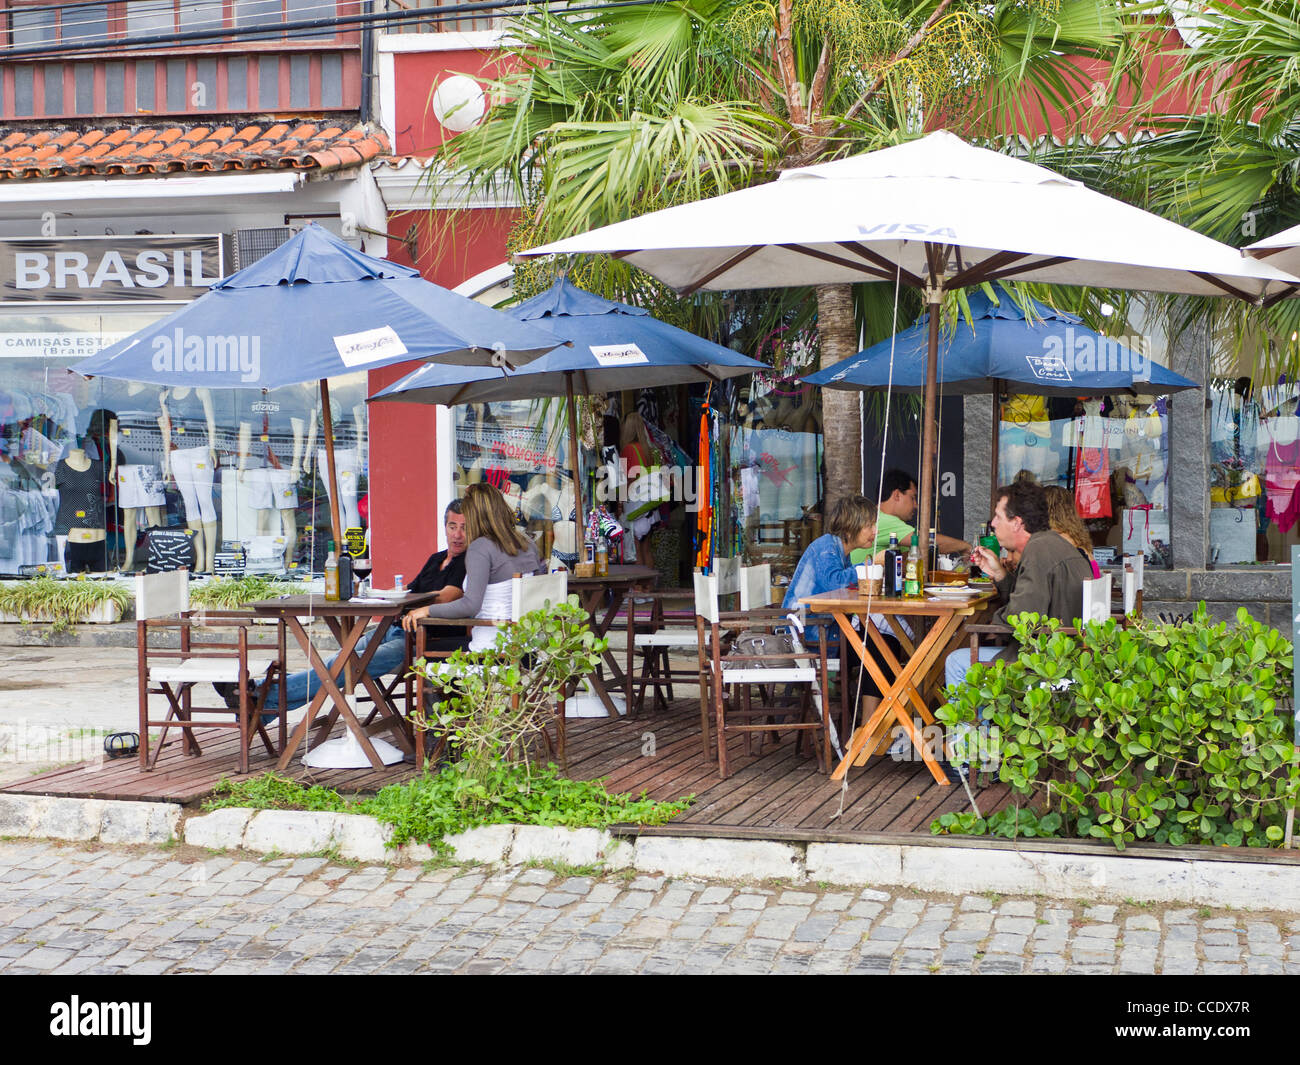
(614, 346)
(312, 309)
(1047, 353)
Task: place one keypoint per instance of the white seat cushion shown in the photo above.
(668, 638)
(759, 675)
(198, 670)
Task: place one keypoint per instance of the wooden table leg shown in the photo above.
(903, 688)
(329, 689)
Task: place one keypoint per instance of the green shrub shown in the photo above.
(1168, 733)
(64, 602)
(449, 802)
(496, 702)
(230, 593)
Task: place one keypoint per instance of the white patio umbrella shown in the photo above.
(935, 214)
(1281, 250)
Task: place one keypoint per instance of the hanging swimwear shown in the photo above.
(1281, 474)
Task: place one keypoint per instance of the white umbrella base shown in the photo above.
(346, 753)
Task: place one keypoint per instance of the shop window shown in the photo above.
(1111, 453)
(244, 470)
(1254, 472)
(518, 448)
(776, 455)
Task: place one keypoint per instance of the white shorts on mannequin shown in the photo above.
(192, 468)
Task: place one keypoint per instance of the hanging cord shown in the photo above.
(880, 481)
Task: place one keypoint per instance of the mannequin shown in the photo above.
(80, 482)
(193, 468)
(273, 490)
(139, 486)
(348, 462)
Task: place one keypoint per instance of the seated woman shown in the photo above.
(824, 567)
(1063, 517)
(497, 550)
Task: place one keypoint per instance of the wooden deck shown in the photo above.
(778, 792)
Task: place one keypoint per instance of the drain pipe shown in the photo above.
(367, 61)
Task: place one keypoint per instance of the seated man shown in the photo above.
(897, 509)
(1048, 580)
(444, 573)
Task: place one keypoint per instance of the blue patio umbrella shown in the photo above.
(614, 346)
(1050, 353)
(313, 309)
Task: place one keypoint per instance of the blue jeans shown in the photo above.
(301, 686)
(958, 663)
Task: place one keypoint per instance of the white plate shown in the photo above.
(388, 593)
(950, 591)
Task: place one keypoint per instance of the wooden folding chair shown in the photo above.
(729, 691)
(162, 604)
(526, 594)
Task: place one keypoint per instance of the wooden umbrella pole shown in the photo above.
(929, 436)
(572, 404)
(328, 416)
(997, 438)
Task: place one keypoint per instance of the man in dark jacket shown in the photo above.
(1048, 581)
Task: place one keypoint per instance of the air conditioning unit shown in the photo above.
(252, 244)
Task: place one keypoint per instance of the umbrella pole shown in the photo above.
(997, 437)
(572, 405)
(328, 416)
(929, 436)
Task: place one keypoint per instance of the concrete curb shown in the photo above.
(971, 870)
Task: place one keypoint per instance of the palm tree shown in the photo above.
(622, 111)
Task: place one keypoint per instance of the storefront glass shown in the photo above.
(96, 464)
(776, 456)
(1254, 471)
(1112, 453)
(518, 447)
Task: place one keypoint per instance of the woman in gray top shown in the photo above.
(497, 551)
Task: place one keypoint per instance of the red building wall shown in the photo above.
(406, 510)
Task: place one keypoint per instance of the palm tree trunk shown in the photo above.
(841, 424)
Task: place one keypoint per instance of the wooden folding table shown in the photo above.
(348, 622)
(609, 592)
(914, 678)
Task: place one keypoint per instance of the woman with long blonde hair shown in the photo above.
(1063, 517)
(497, 551)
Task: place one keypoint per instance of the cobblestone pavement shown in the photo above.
(73, 910)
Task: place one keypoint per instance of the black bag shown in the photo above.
(757, 642)
(169, 549)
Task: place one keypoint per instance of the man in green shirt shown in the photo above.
(897, 508)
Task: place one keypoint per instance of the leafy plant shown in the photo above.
(270, 791)
(452, 801)
(1009, 823)
(230, 593)
(64, 603)
(497, 701)
(1167, 733)
(447, 803)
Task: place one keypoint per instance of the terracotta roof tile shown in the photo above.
(296, 144)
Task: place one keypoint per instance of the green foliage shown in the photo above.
(454, 800)
(62, 602)
(1009, 823)
(1168, 733)
(498, 701)
(230, 593)
(270, 791)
